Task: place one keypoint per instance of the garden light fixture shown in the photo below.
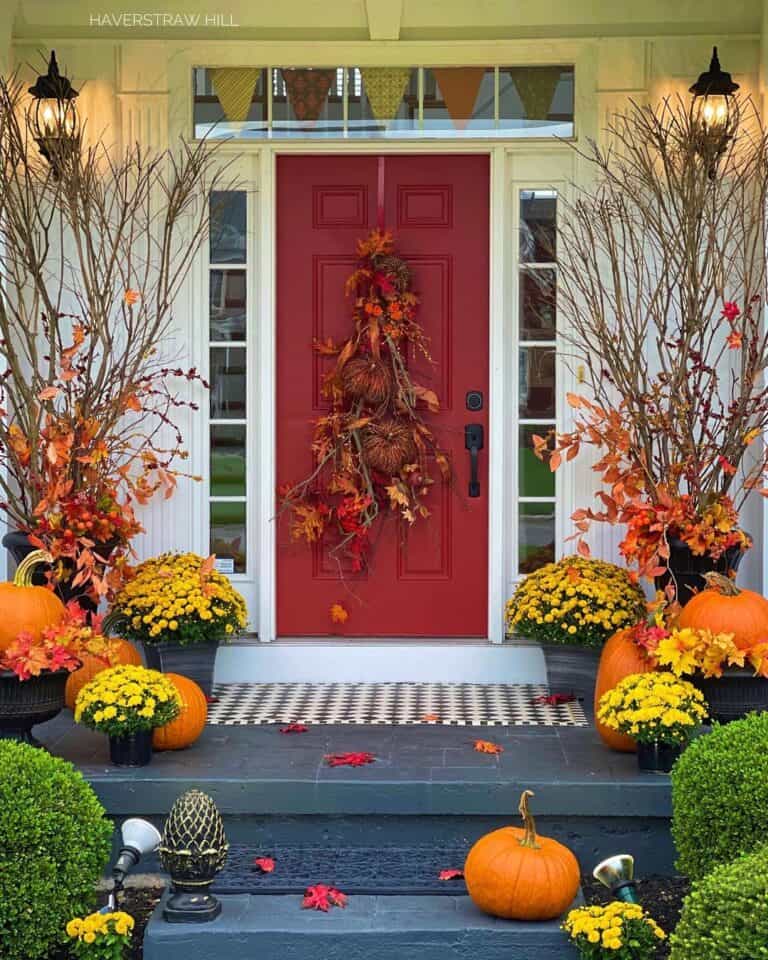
(617, 873)
(139, 838)
(714, 112)
(53, 118)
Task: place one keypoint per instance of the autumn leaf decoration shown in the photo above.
(374, 452)
(349, 759)
(486, 746)
(322, 897)
(264, 864)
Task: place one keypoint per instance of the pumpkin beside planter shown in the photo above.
(92, 666)
(190, 723)
(27, 608)
(620, 657)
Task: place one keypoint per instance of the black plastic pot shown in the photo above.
(686, 569)
(734, 695)
(657, 757)
(25, 703)
(193, 660)
(134, 750)
(18, 545)
(572, 669)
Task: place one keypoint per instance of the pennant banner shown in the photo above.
(459, 87)
(385, 88)
(307, 91)
(536, 88)
(234, 87)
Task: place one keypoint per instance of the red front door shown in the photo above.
(430, 580)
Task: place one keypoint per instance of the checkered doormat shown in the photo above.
(450, 704)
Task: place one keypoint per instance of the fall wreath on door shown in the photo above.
(374, 453)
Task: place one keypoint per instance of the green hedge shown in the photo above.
(55, 841)
(720, 795)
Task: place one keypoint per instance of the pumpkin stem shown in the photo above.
(726, 586)
(24, 571)
(529, 840)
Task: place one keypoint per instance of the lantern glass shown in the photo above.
(55, 119)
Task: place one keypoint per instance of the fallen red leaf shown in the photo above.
(322, 897)
(265, 864)
(211, 699)
(430, 718)
(555, 699)
(349, 759)
(450, 875)
(485, 746)
(295, 728)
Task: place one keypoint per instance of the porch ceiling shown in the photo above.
(380, 19)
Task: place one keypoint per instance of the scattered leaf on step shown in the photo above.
(265, 864)
(485, 746)
(295, 728)
(430, 718)
(349, 759)
(555, 699)
(450, 875)
(322, 897)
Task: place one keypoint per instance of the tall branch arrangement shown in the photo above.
(662, 277)
(373, 450)
(92, 262)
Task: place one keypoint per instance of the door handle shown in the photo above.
(473, 441)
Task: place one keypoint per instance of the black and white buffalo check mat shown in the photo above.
(451, 704)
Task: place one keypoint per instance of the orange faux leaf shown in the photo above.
(427, 396)
(131, 297)
(49, 393)
(338, 613)
(430, 718)
(486, 746)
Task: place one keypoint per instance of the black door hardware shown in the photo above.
(473, 441)
(474, 400)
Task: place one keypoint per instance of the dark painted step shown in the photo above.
(370, 928)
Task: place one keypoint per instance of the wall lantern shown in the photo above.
(714, 112)
(53, 118)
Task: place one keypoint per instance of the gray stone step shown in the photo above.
(370, 928)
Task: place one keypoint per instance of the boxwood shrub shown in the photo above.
(55, 841)
(720, 795)
(725, 916)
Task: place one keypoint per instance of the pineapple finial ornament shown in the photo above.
(193, 850)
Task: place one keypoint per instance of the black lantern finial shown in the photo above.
(53, 118)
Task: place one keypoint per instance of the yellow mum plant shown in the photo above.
(623, 931)
(577, 600)
(127, 699)
(653, 708)
(100, 936)
(179, 598)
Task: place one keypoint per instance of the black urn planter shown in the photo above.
(19, 547)
(193, 660)
(25, 703)
(686, 569)
(734, 695)
(133, 750)
(657, 757)
(572, 669)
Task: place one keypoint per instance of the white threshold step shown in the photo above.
(387, 661)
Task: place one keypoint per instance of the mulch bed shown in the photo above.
(662, 897)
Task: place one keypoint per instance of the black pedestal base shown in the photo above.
(185, 907)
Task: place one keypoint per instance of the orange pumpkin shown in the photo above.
(723, 608)
(124, 652)
(190, 723)
(27, 608)
(621, 656)
(515, 874)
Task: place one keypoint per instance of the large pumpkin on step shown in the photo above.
(190, 723)
(25, 607)
(621, 657)
(123, 653)
(515, 874)
(723, 608)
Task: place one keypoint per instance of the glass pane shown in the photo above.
(536, 101)
(226, 300)
(227, 383)
(228, 540)
(538, 304)
(537, 383)
(372, 110)
(227, 461)
(535, 477)
(227, 239)
(466, 104)
(308, 102)
(210, 110)
(536, 535)
(538, 226)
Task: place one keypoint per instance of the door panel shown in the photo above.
(428, 580)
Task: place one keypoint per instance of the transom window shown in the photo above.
(381, 102)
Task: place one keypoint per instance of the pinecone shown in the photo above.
(396, 270)
(388, 446)
(367, 379)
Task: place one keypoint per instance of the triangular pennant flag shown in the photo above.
(459, 87)
(234, 87)
(385, 87)
(308, 91)
(536, 88)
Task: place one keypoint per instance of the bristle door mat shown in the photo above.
(392, 704)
